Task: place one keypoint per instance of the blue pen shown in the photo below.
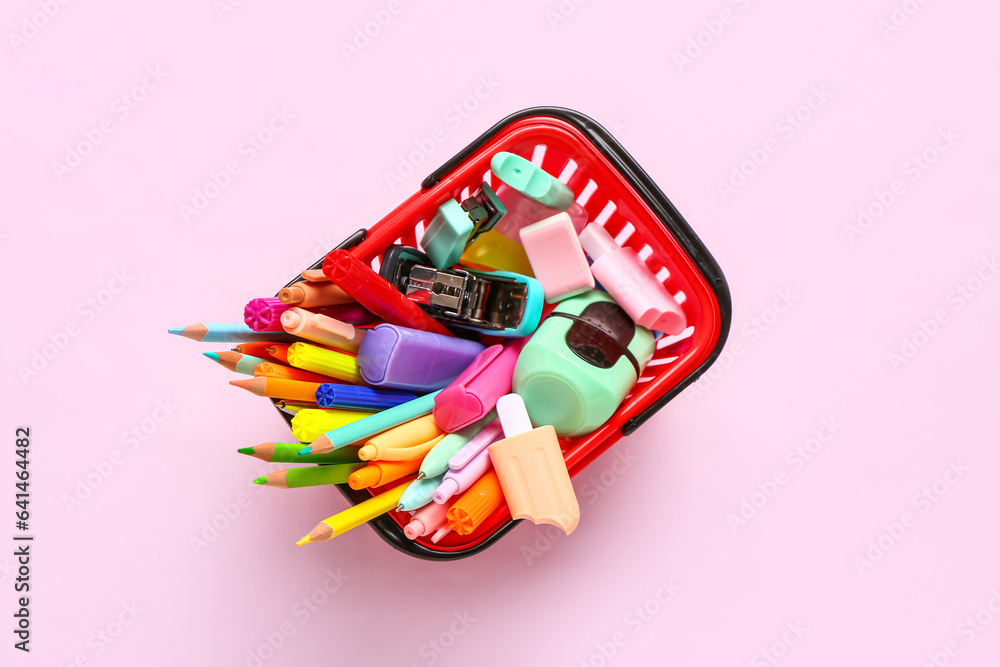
(369, 426)
(330, 395)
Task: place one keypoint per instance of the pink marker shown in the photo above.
(556, 257)
(469, 463)
(631, 283)
(476, 390)
(426, 520)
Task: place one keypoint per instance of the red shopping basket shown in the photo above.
(616, 193)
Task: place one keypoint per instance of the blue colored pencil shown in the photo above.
(225, 333)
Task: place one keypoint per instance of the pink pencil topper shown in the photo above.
(557, 258)
(475, 392)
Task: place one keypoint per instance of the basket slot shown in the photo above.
(538, 155)
(587, 193)
(568, 171)
(680, 297)
(418, 234)
(376, 263)
(605, 214)
(625, 234)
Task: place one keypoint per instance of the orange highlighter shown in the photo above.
(481, 500)
(377, 473)
(406, 441)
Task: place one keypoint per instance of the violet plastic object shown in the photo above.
(402, 358)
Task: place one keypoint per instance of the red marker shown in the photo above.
(376, 294)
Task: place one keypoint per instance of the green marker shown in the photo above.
(436, 461)
(293, 478)
(288, 452)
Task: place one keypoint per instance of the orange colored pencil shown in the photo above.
(293, 390)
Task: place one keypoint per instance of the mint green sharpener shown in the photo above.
(531, 181)
(579, 365)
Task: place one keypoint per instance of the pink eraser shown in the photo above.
(556, 257)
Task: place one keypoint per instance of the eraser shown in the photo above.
(556, 257)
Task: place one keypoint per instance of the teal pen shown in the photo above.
(420, 492)
(229, 333)
(435, 462)
(363, 429)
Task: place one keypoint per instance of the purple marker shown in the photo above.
(468, 464)
(401, 358)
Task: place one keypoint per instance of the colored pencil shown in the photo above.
(288, 452)
(353, 517)
(236, 362)
(278, 388)
(219, 333)
(366, 428)
(293, 478)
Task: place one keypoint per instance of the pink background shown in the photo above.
(657, 571)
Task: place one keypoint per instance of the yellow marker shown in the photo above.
(416, 433)
(310, 423)
(326, 362)
(493, 251)
(353, 517)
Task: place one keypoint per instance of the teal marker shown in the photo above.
(435, 462)
(419, 493)
(363, 429)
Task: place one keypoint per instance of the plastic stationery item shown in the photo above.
(615, 193)
(322, 329)
(557, 258)
(474, 393)
(634, 287)
(531, 469)
(495, 252)
(581, 363)
(456, 225)
(402, 358)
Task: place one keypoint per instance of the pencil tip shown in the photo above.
(305, 450)
(260, 480)
(245, 450)
(304, 540)
(242, 384)
(420, 476)
(177, 331)
(214, 356)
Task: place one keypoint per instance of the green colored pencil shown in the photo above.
(285, 452)
(293, 478)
